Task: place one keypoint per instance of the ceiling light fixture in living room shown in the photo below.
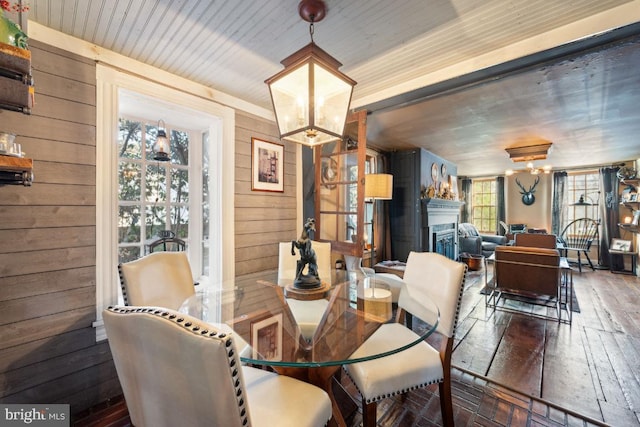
(529, 153)
(532, 169)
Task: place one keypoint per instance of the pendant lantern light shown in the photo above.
(311, 96)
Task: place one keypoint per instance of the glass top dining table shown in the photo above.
(271, 327)
(304, 339)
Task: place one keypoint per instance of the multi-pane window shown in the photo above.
(483, 205)
(583, 196)
(152, 196)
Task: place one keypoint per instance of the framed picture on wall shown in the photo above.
(267, 166)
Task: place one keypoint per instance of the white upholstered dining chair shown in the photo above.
(176, 370)
(160, 279)
(427, 276)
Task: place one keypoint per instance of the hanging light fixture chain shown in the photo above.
(311, 30)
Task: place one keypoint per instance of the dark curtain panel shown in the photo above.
(383, 224)
(608, 216)
(466, 208)
(559, 197)
(500, 205)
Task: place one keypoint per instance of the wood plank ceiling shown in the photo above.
(393, 49)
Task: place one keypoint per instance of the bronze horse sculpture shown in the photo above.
(307, 258)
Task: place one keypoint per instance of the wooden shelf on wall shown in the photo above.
(630, 227)
(16, 170)
(16, 81)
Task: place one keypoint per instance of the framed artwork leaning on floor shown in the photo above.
(620, 245)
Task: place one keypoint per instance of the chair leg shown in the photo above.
(369, 413)
(579, 262)
(589, 260)
(446, 402)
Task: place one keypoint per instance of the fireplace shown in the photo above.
(444, 241)
(440, 220)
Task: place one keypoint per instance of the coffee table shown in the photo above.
(393, 267)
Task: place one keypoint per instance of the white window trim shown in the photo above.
(222, 164)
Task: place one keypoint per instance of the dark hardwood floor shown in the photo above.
(517, 370)
(591, 367)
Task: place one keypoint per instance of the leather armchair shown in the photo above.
(474, 243)
(536, 240)
(531, 272)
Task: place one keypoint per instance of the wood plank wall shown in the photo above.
(48, 352)
(262, 218)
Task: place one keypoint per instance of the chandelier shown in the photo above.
(530, 153)
(532, 169)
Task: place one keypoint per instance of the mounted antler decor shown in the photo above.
(527, 195)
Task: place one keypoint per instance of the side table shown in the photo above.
(633, 255)
(393, 267)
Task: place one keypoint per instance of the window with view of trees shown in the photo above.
(137, 197)
(152, 195)
(483, 208)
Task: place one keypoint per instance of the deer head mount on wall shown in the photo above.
(527, 195)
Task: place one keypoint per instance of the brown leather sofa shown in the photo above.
(527, 273)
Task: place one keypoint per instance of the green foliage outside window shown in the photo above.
(152, 195)
(483, 209)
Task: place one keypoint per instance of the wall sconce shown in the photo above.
(310, 96)
(161, 147)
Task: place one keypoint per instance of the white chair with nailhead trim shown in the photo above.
(431, 276)
(176, 370)
(160, 279)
